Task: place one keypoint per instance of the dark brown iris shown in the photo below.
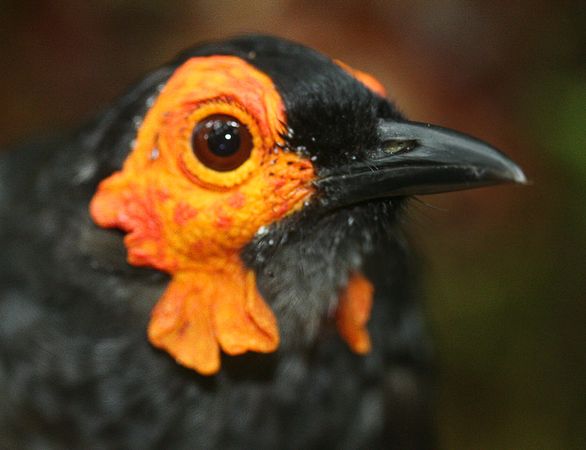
(221, 142)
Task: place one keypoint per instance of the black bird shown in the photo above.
(260, 186)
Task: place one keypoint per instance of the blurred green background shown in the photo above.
(506, 266)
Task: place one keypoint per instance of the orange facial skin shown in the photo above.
(366, 79)
(192, 222)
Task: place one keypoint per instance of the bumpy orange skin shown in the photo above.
(192, 222)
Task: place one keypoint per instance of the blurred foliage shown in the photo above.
(559, 115)
(506, 266)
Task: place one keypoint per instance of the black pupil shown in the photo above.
(222, 136)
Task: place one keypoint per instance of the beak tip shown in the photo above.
(519, 176)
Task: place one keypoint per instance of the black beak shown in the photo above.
(415, 158)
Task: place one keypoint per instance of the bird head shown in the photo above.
(259, 176)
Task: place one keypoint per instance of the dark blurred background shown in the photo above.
(506, 267)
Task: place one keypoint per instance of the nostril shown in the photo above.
(394, 147)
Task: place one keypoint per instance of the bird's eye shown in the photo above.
(221, 142)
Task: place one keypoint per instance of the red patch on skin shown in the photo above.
(197, 248)
(224, 222)
(279, 183)
(162, 196)
(281, 210)
(184, 213)
(237, 200)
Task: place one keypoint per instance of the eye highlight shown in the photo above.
(221, 142)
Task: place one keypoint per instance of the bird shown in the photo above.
(219, 260)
